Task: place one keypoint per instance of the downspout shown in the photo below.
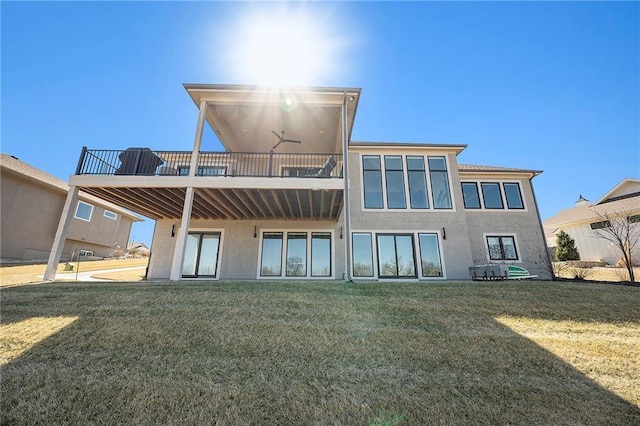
(347, 208)
(544, 240)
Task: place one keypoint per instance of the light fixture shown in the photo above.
(352, 98)
(173, 230)
(444, 233)
(255, 231)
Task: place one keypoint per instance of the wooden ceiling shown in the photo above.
(227, 203)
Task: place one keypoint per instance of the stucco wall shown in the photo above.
(239, 249)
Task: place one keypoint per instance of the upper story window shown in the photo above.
(110, 214)
(394, 176)
(372, 182)
(394, 193)
(493, 196)
(84, 211)
(417, 178)
(439, 182)
(204, 170)
(470, 195)
(601, 225)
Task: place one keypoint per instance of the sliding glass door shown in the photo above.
(395, 256)
(201, 255)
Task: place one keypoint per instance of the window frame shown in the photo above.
(206, 231)
(464, 200)
(381, 181)
(388, 174)
(501, 183)
(506, 197)
(484, 198)
(115, 215)
(75, 215)
(309, 255)
(500, 236)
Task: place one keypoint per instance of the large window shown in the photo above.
(372, 182)
(201, 254)
(502, 248)
(296, 254)
(491, 195)
(84, 211)
(362, 255)
(439, 182)
(470, 195)
(417, 182)
(321, 254)
(396, 256)
(307, 254)
(430, 255)
(514, 198)
(394, 177)
(271, 262)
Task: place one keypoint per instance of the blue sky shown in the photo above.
(537, 85)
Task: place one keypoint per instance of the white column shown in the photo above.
(347, 208)
(181, 238)
(61, 234)
(183, 232)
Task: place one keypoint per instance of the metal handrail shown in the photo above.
(145, 162)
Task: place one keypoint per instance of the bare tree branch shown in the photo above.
(623, 231)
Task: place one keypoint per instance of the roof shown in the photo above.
(494, 169)
(11, 164)
(360, 144)
(616, 205)
(627, 187)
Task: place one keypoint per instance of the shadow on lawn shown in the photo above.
(274, 353)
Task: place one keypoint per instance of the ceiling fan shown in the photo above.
(282, 139)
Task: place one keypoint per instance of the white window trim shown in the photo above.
(500, 183)
(90, 212)
(405, 173)
(283, 258)
(416, 254)
(220, 252)
(501, 234)
(113, 213)
(86, 253)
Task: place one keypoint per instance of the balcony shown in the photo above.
(227, 185)
(144, 162)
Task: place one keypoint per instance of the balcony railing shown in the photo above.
(145, 162)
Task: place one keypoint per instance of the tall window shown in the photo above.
(362, 255)
(491, 195)
(502, 248)
(201, 254)
(430, 255)
(296, 254)
(394, 177)
(514, 198)
(470, 195)
(271, 262)
(418, 196)
(84, 211)
(439, 182)
(320, 254)
(395, 256)
(372, 181)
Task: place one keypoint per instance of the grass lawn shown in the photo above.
(320, 353)
(26, 274)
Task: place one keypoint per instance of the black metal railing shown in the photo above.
(145, 162)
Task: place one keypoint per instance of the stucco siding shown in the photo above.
(239, 252)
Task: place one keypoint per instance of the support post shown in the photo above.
(61, 233)
(347, 208)
(183, 232)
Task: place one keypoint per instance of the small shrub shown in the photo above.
(580, 273)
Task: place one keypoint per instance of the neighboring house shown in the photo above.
(32, 202)
(137, 248)
(583, 220)
(276, 204)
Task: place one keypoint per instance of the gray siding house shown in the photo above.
(293, 197)
(32, 202)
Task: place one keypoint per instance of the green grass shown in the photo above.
(320, 353)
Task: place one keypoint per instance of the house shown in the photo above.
(32, 202)
(583, 220)
(138, 249)
(293, 197)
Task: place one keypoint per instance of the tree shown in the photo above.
(623, 231)
(566, 248)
